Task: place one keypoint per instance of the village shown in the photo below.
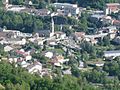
(45, 51)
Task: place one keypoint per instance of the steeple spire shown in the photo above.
(53, 30)
(52, 25)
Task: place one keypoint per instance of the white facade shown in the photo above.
(18, 33)
(112, 53)
(49, 54)
(35, 68)
(24, 64)
(7, 48)
(68, 9)
(112, 8)
(15, 8)
(13, 42)
(28, 57)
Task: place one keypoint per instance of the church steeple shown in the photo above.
(53, 29)
(52, 25)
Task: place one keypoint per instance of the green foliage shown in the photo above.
(106, 41)
(18, 2)
(112, 68)
(89, 48)
(42, 4)
(99, 4)
(95, 76)
(22, 21)
(75, 71)
(41, 58)
(18, 79)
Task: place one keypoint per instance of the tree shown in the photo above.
(18, 2)
(38, 24)
(17, 22)
(66, 30)
(88, 47)
(95, 76)
(106, 41)
(41, 58)
(83, 23)
(42, 4)
(97, 4)
(112, 68)
(10, 86)
(85, 56)
(72, 21)
(75, 71)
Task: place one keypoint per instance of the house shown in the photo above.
(16, 33)
(94, 18)
(52, 42)
(38, 41)
(59, 60)
(15, 41)
(11, 37)
(46, 72)
(112, 31)
(49, 54)
(93, 38)
(7, 48)
(67, 9)
(116, 40)
(81, 64)
(24, 64)
(60, 35)
(43, 33)
(35, 67)
(68, 72)
(116, 23)
(112, 8)
(106, 20)
(26, 55)
(56, 63)
(28, 2)
(97, 63)
(42, 12)
(113, 53)
(12, 59)
(78, 36)
(15, 8)
(3, 35)
(100, 12)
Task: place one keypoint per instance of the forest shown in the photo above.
(16, 78)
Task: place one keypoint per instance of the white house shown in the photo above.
(49, 54)
(7, 48)
(35, 67)
(68, 72)
(17, 33)
(112, 8)
(15, 8)
(13, 41)
(28, 57)
(67, 9)
(24, 64)
(60, 35)
(114, 53)
(117, 40)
